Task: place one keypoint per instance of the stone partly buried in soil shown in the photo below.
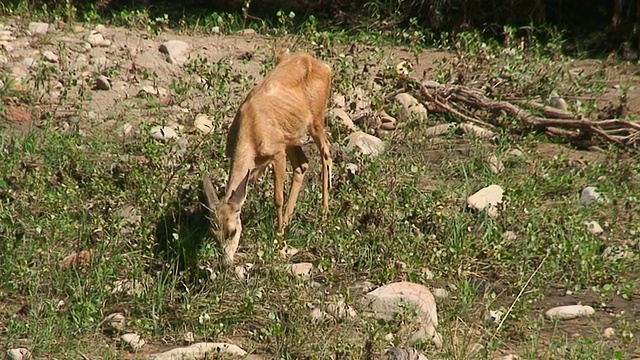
(388, 300)
(487, 198)
(200, 351)
(569, 312)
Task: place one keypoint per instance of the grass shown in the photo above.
(63, 187)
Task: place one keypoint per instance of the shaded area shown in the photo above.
(591, 25)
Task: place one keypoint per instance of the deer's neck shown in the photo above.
(241, 163)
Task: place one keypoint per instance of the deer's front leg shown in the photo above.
(279, 168)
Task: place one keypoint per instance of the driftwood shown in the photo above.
(464, 102)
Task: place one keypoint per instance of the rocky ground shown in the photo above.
(171, 91)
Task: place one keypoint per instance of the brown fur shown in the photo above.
(268, 128)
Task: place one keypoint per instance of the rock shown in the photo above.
(388, 300)
(361, 288)
(38, 28)
(410, 107)
(509, 235)
(242, 271)
(490, 196)
(177, 51)
(246, 32)
(19, 354)
(29, 62)
(203, 123)
(50, 56)
(302, 270)
(317, 314)
(475, 130)
(95, 39)
(17, 114)
(152, 90)
(516, 153)
(557, 102)
(99, 61)
(126, 129)
(388, 122)
(100, 28)
(128, 287)
(508, 357)
(162, 133)
(440, 293)
(608, 333)
(339, 101)
(81, 258)
(287, 251)
(352, 169)
(344, 117)
(102, 83)
(593, 227)
(340, 309)
(438, 130)
(569, 312)
(368, 144)
(589, 195)
(402, 354)
(200, 351)
(215, 30)
(132, 341)
(114, 322)
(495, 165)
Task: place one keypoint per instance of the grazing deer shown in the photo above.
(267, 129)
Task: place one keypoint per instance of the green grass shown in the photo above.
(61, 190)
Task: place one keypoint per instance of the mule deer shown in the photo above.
(267, 129)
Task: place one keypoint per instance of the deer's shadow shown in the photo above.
(181, 232)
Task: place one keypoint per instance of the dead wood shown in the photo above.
(470, 104)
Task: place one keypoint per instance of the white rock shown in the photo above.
(19, 354)
(352, 169)
(410, 107)
(215, 30)
(99, 61)
(589, 195)
(203, 123)
(440, 293)
(388, 300)
(317, 313)
(368, 144)
(344, 117)
(95, 39)
(38, 28)
(162, 133)
(50, 56)
(246, 32)
(177, 51)
(609, 333)
(569, 312)
(489, 196)
(287, 251)
(126, 129)
(508, 357)
(153, 90)
(302, 270)
(402, 354)
(475, 130)
(132, 341)
(115, 321)
(594, 227)
(340, 309)
(516, 153)
(339, 101)
(242, 271)
(102, 83)
(495, 165)
(200, 351)
(509, 235)
(29, 62)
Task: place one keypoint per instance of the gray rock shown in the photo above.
(50, 56)
(99, 61)
(589, 195)
(162, 133)
(569, 312)
(19, 354)
(177, 51)
(410, 107)
(368, 144)
(28, 61)
(38, 28)
(200, 351)
(102, 83)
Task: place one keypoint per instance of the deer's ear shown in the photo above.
(240, 193)
(210, 192)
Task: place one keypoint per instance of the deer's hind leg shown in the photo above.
(320, 138)
(300, 164)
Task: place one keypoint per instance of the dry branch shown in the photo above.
(452, 99)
